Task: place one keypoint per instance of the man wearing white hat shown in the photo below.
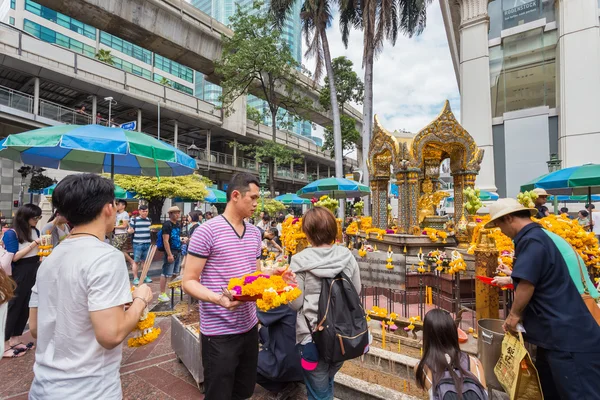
(542, 210)
(549, 305)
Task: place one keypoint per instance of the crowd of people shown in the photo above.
(80, 306)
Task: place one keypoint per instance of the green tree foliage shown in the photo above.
(349, 88)
(257, 57)
(105, 57)
(39, 181)
(271, 207)
(156, 192)
(348, 85)
(350, 135)
(265, 150)
(165, 82)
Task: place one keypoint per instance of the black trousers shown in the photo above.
(569, 376)
(230, 363)
(24, 272)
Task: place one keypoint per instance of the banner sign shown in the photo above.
(519, 12)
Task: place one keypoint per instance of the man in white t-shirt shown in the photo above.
(595, 219)
(77, 305)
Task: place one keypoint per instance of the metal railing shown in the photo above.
(63, 114)
(15, 99)
(246, 163)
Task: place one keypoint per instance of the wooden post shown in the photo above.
(486, 262)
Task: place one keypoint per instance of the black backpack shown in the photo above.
(471, 388)
(342, 331)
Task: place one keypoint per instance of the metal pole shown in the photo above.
(109, 111)
(112, 167)
(159, 120)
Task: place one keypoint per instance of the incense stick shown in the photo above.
(148, 262)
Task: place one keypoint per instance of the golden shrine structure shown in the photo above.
(416, 165)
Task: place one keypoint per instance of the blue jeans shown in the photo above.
(140, 251)
(319, 382)
(171, 269)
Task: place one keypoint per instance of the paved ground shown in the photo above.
(151, 372)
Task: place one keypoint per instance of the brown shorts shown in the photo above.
(119, 241)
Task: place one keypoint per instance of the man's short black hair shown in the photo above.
(564, 210)
(80, 198)
(588, 206)
(584, 213)
(121, 201)
(195, 216)
(266, 217)
(143, 208)
(241, 182)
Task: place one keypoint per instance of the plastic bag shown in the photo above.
(515, 370)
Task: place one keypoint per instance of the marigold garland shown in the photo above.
(291, 234)
(145, 332)
(147, 336)
(273, 289)
(352, 229)
(366, 223)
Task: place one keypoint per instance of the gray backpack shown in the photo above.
(472, 389)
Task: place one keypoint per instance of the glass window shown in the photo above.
(175, 85)
(131, 68)
(11, 21)
(13, 4)
(523, 72)
(173, 68)
(505, 14)
(60, 19)
(126, 47)
(50, 36)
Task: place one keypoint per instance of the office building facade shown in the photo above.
(528, 73)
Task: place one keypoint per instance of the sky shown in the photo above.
(411, 80)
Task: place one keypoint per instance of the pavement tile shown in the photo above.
(158, 377)
(181, 390)
(147, 363)
(23, 396)
(136, 388)
(179, 370)
(20, 386)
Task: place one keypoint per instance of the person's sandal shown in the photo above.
(16, 353)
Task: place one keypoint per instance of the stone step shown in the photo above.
(350, 388)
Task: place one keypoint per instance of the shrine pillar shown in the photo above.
(412, 194)
(379, 197)
(462, 180)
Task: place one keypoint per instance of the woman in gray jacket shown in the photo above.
(322, 260)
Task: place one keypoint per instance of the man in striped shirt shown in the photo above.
(222, 248)
(140, 228)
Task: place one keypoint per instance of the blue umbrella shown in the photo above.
(337, 188)
(120, 193)
(291, 198)
(95, 148)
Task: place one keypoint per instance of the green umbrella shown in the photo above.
(291, 198)
(337, 188)
(95, 148)
(120, 193)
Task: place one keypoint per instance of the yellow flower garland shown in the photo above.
(145, 332)
(273, 290)
(352, 229)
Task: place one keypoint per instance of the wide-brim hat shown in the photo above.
(503, 207)
(540, 192)
(174, 209)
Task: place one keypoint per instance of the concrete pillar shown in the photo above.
(139, 119)
(305, 170)
(36, 96)
(578, 86)
(236, 122)
(208, 146)
(292, 169)
(475, 102)
(328, 171)
(176, 134)
(318, 173)
(94, 109)
(235, 154)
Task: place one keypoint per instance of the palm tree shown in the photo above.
(165, 82)
(315, 17)
(105, 57)
(379, 20)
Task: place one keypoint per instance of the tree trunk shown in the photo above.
(272, 164)
(335, 110)
(155, 209)
(367, 122)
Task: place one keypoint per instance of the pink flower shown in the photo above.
(295, 220)
(237, 290)
(389, 231)
(249, 279)
(478, 220)
(314, 200)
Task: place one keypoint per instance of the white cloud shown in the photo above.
(412, 79)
